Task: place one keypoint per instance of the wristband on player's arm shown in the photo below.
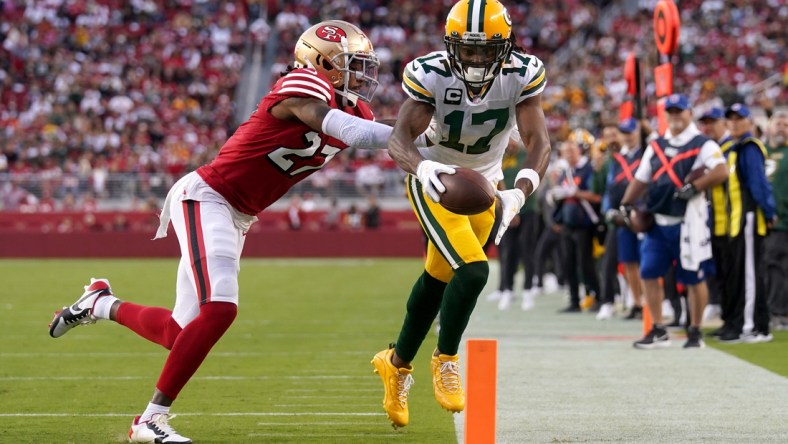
(530, 174)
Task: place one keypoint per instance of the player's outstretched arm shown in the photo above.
(414, 118)
(316, 114)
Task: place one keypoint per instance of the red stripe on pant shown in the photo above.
(197, 255)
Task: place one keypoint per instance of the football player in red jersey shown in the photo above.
(313, 112)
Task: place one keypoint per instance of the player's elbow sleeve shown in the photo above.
(354, 131)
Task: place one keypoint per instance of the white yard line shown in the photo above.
(325, 435)
(317, 423)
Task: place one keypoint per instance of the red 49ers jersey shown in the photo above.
(267, 156)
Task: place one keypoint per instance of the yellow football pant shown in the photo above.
(454, 239)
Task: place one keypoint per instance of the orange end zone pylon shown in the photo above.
(648, 321)
(480, 391)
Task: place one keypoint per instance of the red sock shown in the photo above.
(152, 323)
(193, 344)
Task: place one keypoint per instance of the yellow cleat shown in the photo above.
(446, 382)
(396, 383)
(587, 302)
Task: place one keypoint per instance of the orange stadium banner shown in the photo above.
(666, 27)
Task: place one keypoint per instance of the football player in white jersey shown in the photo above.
(470, 97)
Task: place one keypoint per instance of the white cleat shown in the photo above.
(528, 299)
(80, 312)
(506, 300)
(667, 311)
(711, 312)
(157, 431)
(606, 311)
(494, 296)
(550, 283)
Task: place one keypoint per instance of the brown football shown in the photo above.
(640, 221)
(467, 192)
(695, 174)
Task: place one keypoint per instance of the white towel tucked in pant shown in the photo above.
(695, 234)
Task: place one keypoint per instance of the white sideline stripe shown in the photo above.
(267, 424)
(331, 404)
(308, 262)
(322, 435)
(343, 390)
(204, 378)
(106, 415)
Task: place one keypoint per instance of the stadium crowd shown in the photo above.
(101, 100)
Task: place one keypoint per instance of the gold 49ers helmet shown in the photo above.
(343, 53)
(478, 41)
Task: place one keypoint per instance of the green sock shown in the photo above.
(459, 301)
(423, 305)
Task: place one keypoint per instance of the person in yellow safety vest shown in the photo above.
(752, 213)
(714, 126)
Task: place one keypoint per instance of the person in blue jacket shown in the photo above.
(752, 214)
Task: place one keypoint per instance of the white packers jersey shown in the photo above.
(467, 133)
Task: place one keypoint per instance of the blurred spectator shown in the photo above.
(120, 98)
(295, 214)
(577, 219)
(353, 219)
(776, 246)
(372, 214)
(333, 215)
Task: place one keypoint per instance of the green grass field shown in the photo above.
(294, 368)
(772, 356)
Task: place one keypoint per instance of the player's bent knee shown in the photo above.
(473, 275)
(225, 288)
(219, 314)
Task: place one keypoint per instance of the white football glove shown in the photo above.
(428, 172)
(511, 203)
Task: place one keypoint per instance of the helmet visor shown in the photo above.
(361, 74)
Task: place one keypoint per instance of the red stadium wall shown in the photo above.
(100, 235)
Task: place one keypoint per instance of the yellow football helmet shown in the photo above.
(583, 138)
(478, 41)
(343, 53)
